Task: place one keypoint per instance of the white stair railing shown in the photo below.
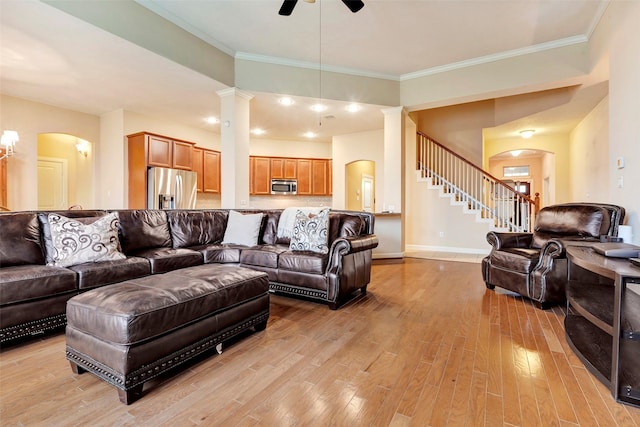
(508, 208)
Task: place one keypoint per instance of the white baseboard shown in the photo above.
(378, 255)
(426, 248)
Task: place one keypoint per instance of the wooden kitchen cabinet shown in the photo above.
(319, 183)
(207, 164)
(146, 150)
(284, 168)
(260, 175)
(305, 177)
(211, 160)
(314, 176)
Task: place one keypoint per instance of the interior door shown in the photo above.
(367, 193)
(52, 183)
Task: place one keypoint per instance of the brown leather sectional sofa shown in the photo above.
(33, 295)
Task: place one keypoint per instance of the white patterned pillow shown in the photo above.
(77, 243)
(311, 233)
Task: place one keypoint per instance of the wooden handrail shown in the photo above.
(482, 171)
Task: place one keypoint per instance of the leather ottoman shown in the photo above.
(131, 332)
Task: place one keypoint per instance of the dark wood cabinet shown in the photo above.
(602, 324)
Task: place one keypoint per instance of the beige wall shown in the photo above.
(30, 119)
(589, 157)
(298, 148)
(353, 147)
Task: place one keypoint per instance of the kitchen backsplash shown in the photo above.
(212, 201)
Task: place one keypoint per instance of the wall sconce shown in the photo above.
(83, 147)
(8, 142)
(527, 133)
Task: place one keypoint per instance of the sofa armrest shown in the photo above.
(346, 245)
(509, 240)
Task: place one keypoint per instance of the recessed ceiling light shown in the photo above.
(318, 107)
(212, 120)
(352, 108)
(310, 134)
(528, 133)
(285, 100)
(258, 131)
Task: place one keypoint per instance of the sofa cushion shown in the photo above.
(194, 228)
(162, 260)
(305, 262)
(143, 228)
(20, 243)
(310, 232)
(92, 275)
(28, 282)
(242, 229)
(522, 260)
(220, 254)
(586, 221)
(76, 243)
(263, 255)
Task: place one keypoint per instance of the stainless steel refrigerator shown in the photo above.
(171, 189)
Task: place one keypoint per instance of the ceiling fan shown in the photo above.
(288, 5)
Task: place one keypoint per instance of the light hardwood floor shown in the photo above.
(428, 345)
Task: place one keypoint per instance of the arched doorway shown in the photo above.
(360, 185)
(65, 172)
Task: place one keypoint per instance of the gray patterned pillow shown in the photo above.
(77, 243)
(311, 233)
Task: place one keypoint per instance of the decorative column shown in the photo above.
(234, 138)
(394, 135)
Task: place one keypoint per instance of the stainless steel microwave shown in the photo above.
(284, 186)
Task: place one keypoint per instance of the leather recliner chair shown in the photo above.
(534, 265)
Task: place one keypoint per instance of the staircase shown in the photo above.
(477, 191)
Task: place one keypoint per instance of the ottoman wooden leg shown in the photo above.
(129, 396)
(77, 369)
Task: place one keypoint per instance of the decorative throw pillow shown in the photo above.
(242, 229)
(310, 233)
(77, 243)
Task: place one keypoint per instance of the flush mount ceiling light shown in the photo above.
(286, 101)
(528, 133)
(212, 120)
(310, 134)
(258, 131)
(352, 108)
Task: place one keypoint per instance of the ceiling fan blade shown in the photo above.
(354, 5)
(287, 7)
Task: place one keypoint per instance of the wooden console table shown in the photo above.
(602, 324)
